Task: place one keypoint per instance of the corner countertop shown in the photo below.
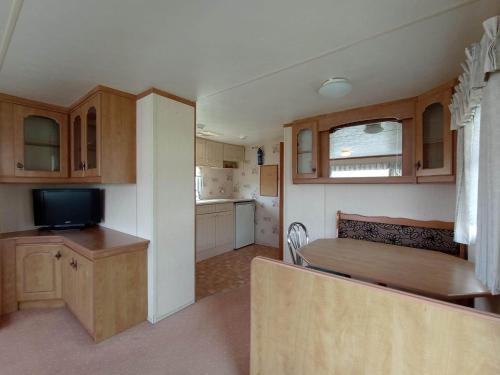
(228, 200)
(93, 243)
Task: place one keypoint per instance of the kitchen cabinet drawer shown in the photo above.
(224, 207)
(205, 209)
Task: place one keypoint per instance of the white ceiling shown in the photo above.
(251, 65)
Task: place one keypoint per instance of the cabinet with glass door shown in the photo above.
(86, 138)
(434, 138)
(305, 150)
(40, 146)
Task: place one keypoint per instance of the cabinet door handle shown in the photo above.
(84, 166)
(58, 255)
(20, 165)
(418, 165)
(75, 265)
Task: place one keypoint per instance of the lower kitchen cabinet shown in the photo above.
(38, 272)
(78, 279)
(214, 230)
(107, 295)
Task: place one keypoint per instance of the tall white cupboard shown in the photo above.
(165, 201)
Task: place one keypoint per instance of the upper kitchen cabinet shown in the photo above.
(434, 138)
(33, 141)
(305, 150)
(102, 137)
(234, 153)
(215, 154)
(40, 144)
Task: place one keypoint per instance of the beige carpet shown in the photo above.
(209, 337)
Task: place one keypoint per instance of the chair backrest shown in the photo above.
(297, 237)
(427, 235)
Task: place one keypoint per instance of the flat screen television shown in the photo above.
(67, 208)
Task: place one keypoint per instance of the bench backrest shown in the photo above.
(427, 235)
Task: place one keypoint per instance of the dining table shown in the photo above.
(425, 272)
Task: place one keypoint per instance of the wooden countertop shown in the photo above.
(92, 243)
(424, 272)
(203, 202)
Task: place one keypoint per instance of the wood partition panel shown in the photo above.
(307, 322)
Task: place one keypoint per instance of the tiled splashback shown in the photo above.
(217, 183)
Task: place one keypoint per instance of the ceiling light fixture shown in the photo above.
(335, 87)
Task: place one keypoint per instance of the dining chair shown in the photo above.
(296, 237)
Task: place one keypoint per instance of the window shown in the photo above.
(366, 150)
(198, 183)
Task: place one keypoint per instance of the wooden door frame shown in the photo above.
(281, 199)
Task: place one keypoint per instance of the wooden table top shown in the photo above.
(425, 272)
(93, 243)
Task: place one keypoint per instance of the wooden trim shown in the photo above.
(281, 199)
(49, 180)
(399, 110)
(357, 180)
(33, 103)
(367, 157)
(100, 88)
(434, 224)
(436, 179)
(165, 94)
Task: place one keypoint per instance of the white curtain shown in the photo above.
(487, 246)
(467, 181)
(475, 112)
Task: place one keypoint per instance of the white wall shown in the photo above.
(16, 206)
(316, 205)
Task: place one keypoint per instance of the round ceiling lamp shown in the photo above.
(335, 87)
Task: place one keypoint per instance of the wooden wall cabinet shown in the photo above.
(305, 150)
(434, 138)
(102, 137)
(214, 154)
(94, 141)
(40, 143)
(38, 272)
(234, 153)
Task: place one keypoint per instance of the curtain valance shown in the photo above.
(482, 59)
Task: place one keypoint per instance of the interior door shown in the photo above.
(40, 143)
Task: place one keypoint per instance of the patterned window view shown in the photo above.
(367, 150)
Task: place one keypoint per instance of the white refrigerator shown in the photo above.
(244, 224)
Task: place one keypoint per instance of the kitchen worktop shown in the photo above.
(92, 243)
(227, 200)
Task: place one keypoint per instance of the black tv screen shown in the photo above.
(67, 207)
